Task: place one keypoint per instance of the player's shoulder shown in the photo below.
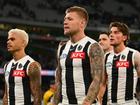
(35, 64)
(133, 50)
(63, 42)
(34, 68)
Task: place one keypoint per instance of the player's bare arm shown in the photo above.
(5, 98)
(34, 73)
(56, 97)
(137, 65)
(137, 62)
(102, 86)
(97, 66)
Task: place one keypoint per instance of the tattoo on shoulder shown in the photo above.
(96, 50)
(96, 59)
(34, 68)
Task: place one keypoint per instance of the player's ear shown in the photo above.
(125, 37)
(24, 43)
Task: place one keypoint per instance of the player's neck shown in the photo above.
(109, 49)
(77, 37)
(18, 55)
(118, 49)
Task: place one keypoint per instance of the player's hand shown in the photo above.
(86, 102)
(100, 99)
(49, 103)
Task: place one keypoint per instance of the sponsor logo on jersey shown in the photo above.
(122, 64)
(18, 73)
(80, 55)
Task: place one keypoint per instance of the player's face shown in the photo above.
(104, 41)
(14, 43)
(116, 37)
(72, 22)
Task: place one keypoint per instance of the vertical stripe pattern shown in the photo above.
(26, 85)
(114, 85)
(104, 101)
(75, 64)
(122, 76)
(129, 78)
(18, 83)
(12, 85)
(69, 78)
(86, 69)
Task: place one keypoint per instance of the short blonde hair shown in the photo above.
(82, 12)
(21, 33)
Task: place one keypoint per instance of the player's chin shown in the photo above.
(112, 43)
(66, 33)
(10, 50)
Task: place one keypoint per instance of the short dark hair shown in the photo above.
(122, 27)
(104, 32)
(80, 10)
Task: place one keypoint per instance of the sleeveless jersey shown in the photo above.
(122, 76)
(75, 65)
(17, 81)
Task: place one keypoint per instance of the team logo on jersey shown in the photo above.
(20, 66)
(18, 73)
(123, 57)
(122, 64)
(80, 55)
(79, 47)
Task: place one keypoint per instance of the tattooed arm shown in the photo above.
(97, 66)
(56, 98)
(57, 94)
(5, 98)
(35, 82)
(137, 65)
(102, 88)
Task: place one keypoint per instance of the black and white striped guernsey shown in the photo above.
(76, 76)
(122, 76)
(17, 80)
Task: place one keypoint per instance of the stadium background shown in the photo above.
(43, 20)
